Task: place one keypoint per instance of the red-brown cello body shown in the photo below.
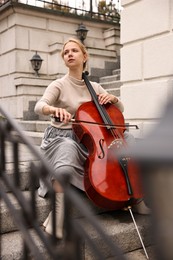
(110, 182)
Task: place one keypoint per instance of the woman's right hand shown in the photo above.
(61, 113)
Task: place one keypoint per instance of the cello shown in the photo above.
(110, 182)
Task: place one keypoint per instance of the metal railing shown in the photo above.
(25, 214)
(106, 13)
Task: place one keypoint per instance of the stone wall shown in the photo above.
(146, 60)
(26, 29)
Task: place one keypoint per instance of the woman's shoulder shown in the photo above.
(58, 82)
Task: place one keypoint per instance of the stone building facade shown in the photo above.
(146, 64)
(146, 60)
(25, 29)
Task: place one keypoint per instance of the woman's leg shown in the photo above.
(59, 205)
(59, 211)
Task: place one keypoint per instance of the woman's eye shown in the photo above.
(72, 50)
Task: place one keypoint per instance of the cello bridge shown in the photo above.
(118, 143)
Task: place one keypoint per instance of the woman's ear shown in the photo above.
(85, 57)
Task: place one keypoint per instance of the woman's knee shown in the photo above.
(63, 172)
(62, 175)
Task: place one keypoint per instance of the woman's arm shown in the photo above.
(61, 113)
(47, 101)
(104, 97)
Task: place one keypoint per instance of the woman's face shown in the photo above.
(73, 56)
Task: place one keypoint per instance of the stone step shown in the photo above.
(12, 245)
(116, 72)
(109, 220)
(34, 129)
(115, 92)
(43, 205)
(7, 221)
(111, 78)
(36, 137)
(113, 85)
(23, 172)
(33, 125)
(121, 230)
(117, 225)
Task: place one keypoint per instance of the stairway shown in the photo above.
(117, 224)
(112, 83)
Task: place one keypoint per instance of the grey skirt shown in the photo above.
(60, 148)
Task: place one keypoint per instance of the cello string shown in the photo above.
(132, 216)
(117, 135)
(101, 109)
(113, 126)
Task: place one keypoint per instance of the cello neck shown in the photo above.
(100, 108)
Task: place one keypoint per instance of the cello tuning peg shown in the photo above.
(86, 73)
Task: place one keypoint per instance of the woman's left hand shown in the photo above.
(105, 98)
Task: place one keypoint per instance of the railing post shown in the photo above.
(0, 230)
(91, 8)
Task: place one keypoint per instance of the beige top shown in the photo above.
(68, 93)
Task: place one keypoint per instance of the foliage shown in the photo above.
(56, 5)
(108, 9)
(107, 12)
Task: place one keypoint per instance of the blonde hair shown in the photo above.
(81, 46)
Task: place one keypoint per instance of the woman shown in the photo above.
(61, 99)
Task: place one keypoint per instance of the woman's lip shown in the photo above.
(71, 60)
